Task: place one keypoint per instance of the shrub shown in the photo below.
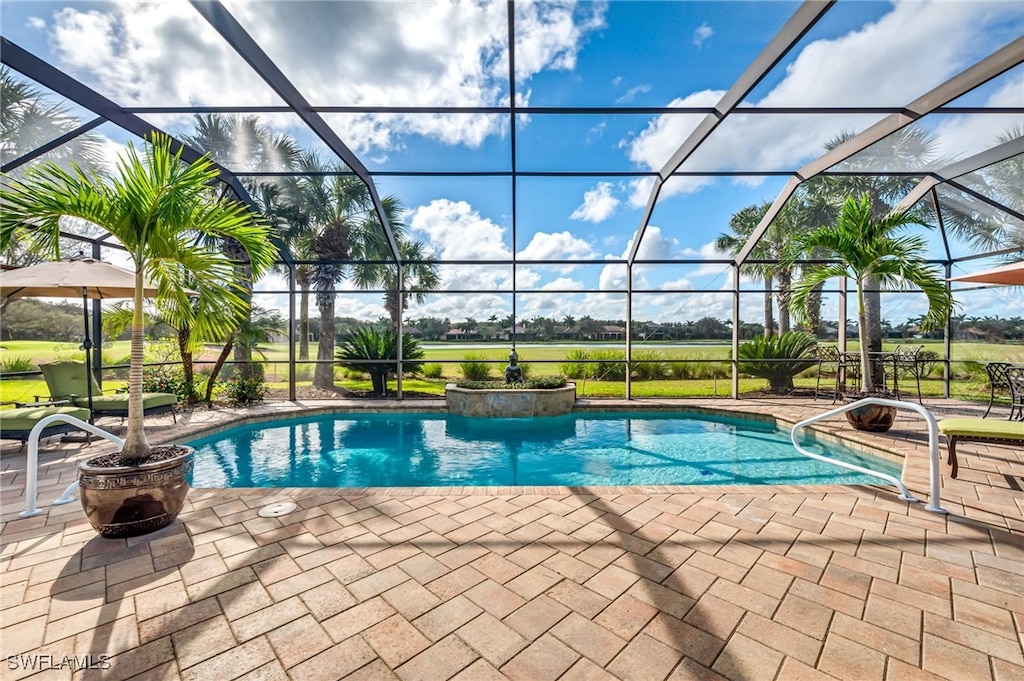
(542, 383)
(778, 358)
(649, 366)
(473, 369)
(432, 370)
(245, 391)
(303, 372)
(361, 347)
(607, 365)
(926, 362)
(170, 380)
(575, 367)
(17, 364)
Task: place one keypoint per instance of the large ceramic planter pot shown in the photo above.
(873, 418)
(126, 501)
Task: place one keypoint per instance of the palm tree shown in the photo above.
(775, 246)
(871, 248)
(244, 143)
(29, 119)
(160, 209)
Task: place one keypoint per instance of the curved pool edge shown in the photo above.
(832, 432)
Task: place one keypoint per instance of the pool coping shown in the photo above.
(826, 433)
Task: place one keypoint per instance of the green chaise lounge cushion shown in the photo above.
(66, 380)
(974, 429)
(16, 424)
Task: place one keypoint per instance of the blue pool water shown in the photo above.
(426, 450)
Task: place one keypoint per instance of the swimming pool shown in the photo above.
(596, 449)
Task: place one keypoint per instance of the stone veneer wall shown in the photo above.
(511, 402)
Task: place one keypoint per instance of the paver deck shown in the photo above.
(740, 583)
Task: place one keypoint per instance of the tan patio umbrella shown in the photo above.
(1010, 275)
(86, 277)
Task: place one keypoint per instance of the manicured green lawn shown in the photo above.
(540, 360)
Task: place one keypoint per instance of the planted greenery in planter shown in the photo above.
(376, 352)
(541, 383)
(168, 217)
(778, 358)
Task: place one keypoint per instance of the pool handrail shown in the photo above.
(32, 463)
(934, 503)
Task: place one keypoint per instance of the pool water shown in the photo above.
(426, 450)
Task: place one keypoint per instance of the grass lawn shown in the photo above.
(540, 360)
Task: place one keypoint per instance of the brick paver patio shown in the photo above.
(741, 583)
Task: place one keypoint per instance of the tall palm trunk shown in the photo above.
(867, 377)
(323, 377)
(187, 362)
(785, 282)
(222, 358)
(769, 314)
(304, 321)
(136, 446)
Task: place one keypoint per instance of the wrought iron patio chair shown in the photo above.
(829, 355)
(997, 380)
(905, 363)
(1015, 377)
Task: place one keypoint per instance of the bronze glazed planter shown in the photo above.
(872, 418)
(126, 501)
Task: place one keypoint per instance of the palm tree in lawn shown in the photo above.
(244, 143)
(872, 248)
(774, 246)
(419, 272)
(335, 205)
(162, 211)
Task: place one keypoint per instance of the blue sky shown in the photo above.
(613, 54)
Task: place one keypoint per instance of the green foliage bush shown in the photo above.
(170, 380)
(17, 364)
(599, 365)
(245, 392)
(541, 383)
(473, 369)
(700, 367)
(432, 370)
(778, 358)
(368, 350)
(649, 366)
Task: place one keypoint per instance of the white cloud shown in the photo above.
(961, 136)
(847, 70)
(434, 54)
(598, 204)
(36, 23)
(557, 246)
(457, 232)
(702, 33)
(632, 92)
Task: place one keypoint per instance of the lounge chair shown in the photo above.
(66, 380)
(16, 424)
(974, 429)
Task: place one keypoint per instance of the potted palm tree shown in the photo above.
(166, 215)
(869, 245)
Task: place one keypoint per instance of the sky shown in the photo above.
(617, 54)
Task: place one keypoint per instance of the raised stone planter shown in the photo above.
(510, 402)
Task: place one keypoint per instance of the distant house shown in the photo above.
(612, 333)
(516, 332)
(457, 334)
(567, 333)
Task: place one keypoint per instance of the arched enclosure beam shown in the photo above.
(28, 64)
(784, 40)
(970, 164)
(228, 27)
(983, 71)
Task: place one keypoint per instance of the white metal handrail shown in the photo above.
(933, 448)
(32, 466)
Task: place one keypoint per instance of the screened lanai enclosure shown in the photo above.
(619, 191)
